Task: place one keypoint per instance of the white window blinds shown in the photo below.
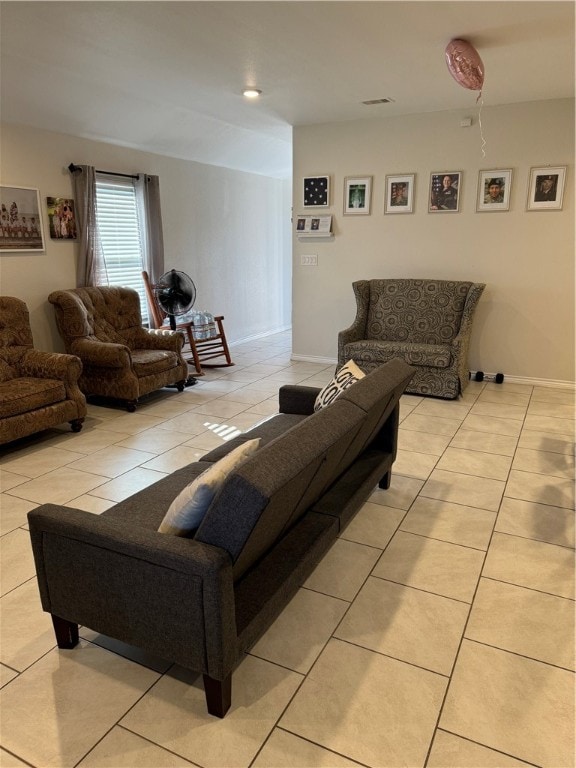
(119, 229)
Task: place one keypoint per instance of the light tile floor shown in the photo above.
(438, 630)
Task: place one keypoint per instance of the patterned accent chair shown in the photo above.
(426, 323)
(120, 358)
(38, 389)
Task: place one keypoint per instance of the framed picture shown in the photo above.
(61, 218)
(357, 194)
(494, 190)
(316, 191)
(445, 192)
(399, 194)
(20, 220)
(546, 188)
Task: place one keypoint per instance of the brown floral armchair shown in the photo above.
(38, 389)
(120, 358)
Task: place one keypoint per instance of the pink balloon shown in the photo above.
(465, 64)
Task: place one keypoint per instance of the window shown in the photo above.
(121, 238)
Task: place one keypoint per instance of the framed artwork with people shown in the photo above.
(399, 194)
(61, 218)
(20, 220)
(494, 190)
(445, 190)
(546, 188)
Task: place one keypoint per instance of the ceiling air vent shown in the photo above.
(378, 101)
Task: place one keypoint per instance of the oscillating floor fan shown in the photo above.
(176, 294)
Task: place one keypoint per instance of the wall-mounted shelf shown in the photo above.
(314, 225)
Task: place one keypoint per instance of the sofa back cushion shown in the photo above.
(108, 313)
(417, 311)
(273, 489)
(15, 335)
(378, 395)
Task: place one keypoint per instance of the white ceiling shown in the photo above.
(166, 77)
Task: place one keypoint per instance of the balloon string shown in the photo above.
(481, 100)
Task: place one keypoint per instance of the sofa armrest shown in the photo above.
(101, 353)
(51, 365)
(171, 595)
(472, 300)
(173, 341)
(295, 398)
(461, 342)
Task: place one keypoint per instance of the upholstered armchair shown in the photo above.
(426, 323)
(120, 358)
(38, 389)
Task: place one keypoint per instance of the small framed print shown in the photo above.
(399, 194)
(494, 190)
(546, 188)
(21, 220)
(316, 191)
(357, 194)
(61, 218)
(445, 192)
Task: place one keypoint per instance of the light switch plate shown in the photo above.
(309, 261)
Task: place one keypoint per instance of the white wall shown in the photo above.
(229, 230)
(524, 326)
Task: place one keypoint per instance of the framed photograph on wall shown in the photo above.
(494, 190)
(399, 194)
(445, 190)
(546, 188)
(61, 218)
(316, 191)
(20, 220)
(357, 195)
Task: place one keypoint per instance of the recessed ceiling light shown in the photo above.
(251, 93)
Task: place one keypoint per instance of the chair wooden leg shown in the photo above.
(224, 342)
(66, 632)
(195, 357)
(218, 695)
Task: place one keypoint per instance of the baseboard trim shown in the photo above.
(553, 383)
(311, 359)
(257, 336)
(529, 381)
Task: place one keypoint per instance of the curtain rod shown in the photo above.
(72, 168)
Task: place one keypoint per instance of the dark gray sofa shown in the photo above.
(203, 601)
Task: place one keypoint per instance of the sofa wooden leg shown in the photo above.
(385, 481)
(218, 695)
(76, 425)
(66, 632)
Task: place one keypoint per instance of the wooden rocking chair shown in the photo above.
(200, 349)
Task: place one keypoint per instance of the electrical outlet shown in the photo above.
(309, 261)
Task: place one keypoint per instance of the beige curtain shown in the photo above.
(152, 233)
(90, 267)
